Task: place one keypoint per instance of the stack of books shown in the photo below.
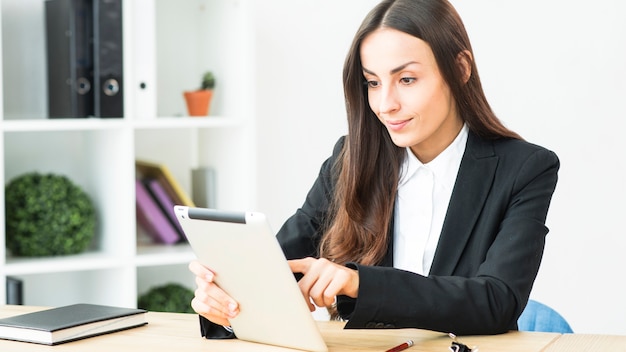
(156, 193)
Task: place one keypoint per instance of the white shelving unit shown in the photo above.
(98, 154)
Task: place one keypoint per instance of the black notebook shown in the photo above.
(69, 323)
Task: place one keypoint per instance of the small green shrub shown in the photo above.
(47, 215)
(172, 298)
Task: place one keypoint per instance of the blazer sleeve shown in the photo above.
(210, 330)
(488, 288)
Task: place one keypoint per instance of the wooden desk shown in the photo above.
(585, 342)
(180, 332)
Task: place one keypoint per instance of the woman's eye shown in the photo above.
(407, 80)
(372, 84)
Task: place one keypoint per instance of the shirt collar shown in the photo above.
(445, 166)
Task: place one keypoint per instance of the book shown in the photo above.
(152, 218)
(68, 323)
(165, 202)
(161, 172)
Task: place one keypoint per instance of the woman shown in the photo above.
(429, 213)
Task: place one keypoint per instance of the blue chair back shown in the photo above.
(539, 317)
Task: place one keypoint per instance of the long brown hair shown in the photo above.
(369, 168)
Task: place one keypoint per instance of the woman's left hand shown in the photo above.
(323, 280)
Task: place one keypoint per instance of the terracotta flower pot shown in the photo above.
(198, 102)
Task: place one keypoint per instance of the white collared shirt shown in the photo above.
(424, 192)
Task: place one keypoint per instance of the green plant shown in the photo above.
(171, 297)
(46, 215)
(208, 81)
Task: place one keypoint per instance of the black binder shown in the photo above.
(108, 59)
(69, 27)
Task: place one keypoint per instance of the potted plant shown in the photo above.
(199, 101)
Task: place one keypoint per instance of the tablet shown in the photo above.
(250, 266)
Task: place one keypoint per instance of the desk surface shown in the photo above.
(180, 332)
(586, 342)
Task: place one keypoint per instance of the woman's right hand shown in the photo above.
(210, 301)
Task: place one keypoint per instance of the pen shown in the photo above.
(401, 347)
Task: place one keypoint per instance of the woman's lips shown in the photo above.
(397, 125)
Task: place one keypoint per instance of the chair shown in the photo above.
(539, 317)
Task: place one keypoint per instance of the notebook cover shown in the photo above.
(67, 316)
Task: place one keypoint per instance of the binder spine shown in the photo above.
(108, 59)
(69, 51)
(144, 81)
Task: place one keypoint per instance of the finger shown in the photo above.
(341, 281)
(301, 265)
(310, 267)
(209, 312)
(214, 298)
(331, 280)
(304, 288)
(325, 288)
(212, 295)
(200, 270)
(336, 286)
(309, 303)
(323, 293)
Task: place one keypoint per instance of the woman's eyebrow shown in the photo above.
(393, 71)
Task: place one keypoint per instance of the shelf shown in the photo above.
(69, 263)
(93, 124)
(187, 122)
(87, 124)
(98, 154)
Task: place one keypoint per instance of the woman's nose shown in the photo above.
(388, 102)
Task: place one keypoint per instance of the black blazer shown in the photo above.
(488, 253)
(487, 257)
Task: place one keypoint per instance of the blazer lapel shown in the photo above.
(475, 177)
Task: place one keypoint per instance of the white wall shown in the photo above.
(300, 49)
(555, 71)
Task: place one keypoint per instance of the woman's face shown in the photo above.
(407, 92)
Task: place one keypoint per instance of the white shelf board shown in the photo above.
(67, 263)
(85, 124)
(186, 122)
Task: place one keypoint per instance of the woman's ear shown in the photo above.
(464, 60)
